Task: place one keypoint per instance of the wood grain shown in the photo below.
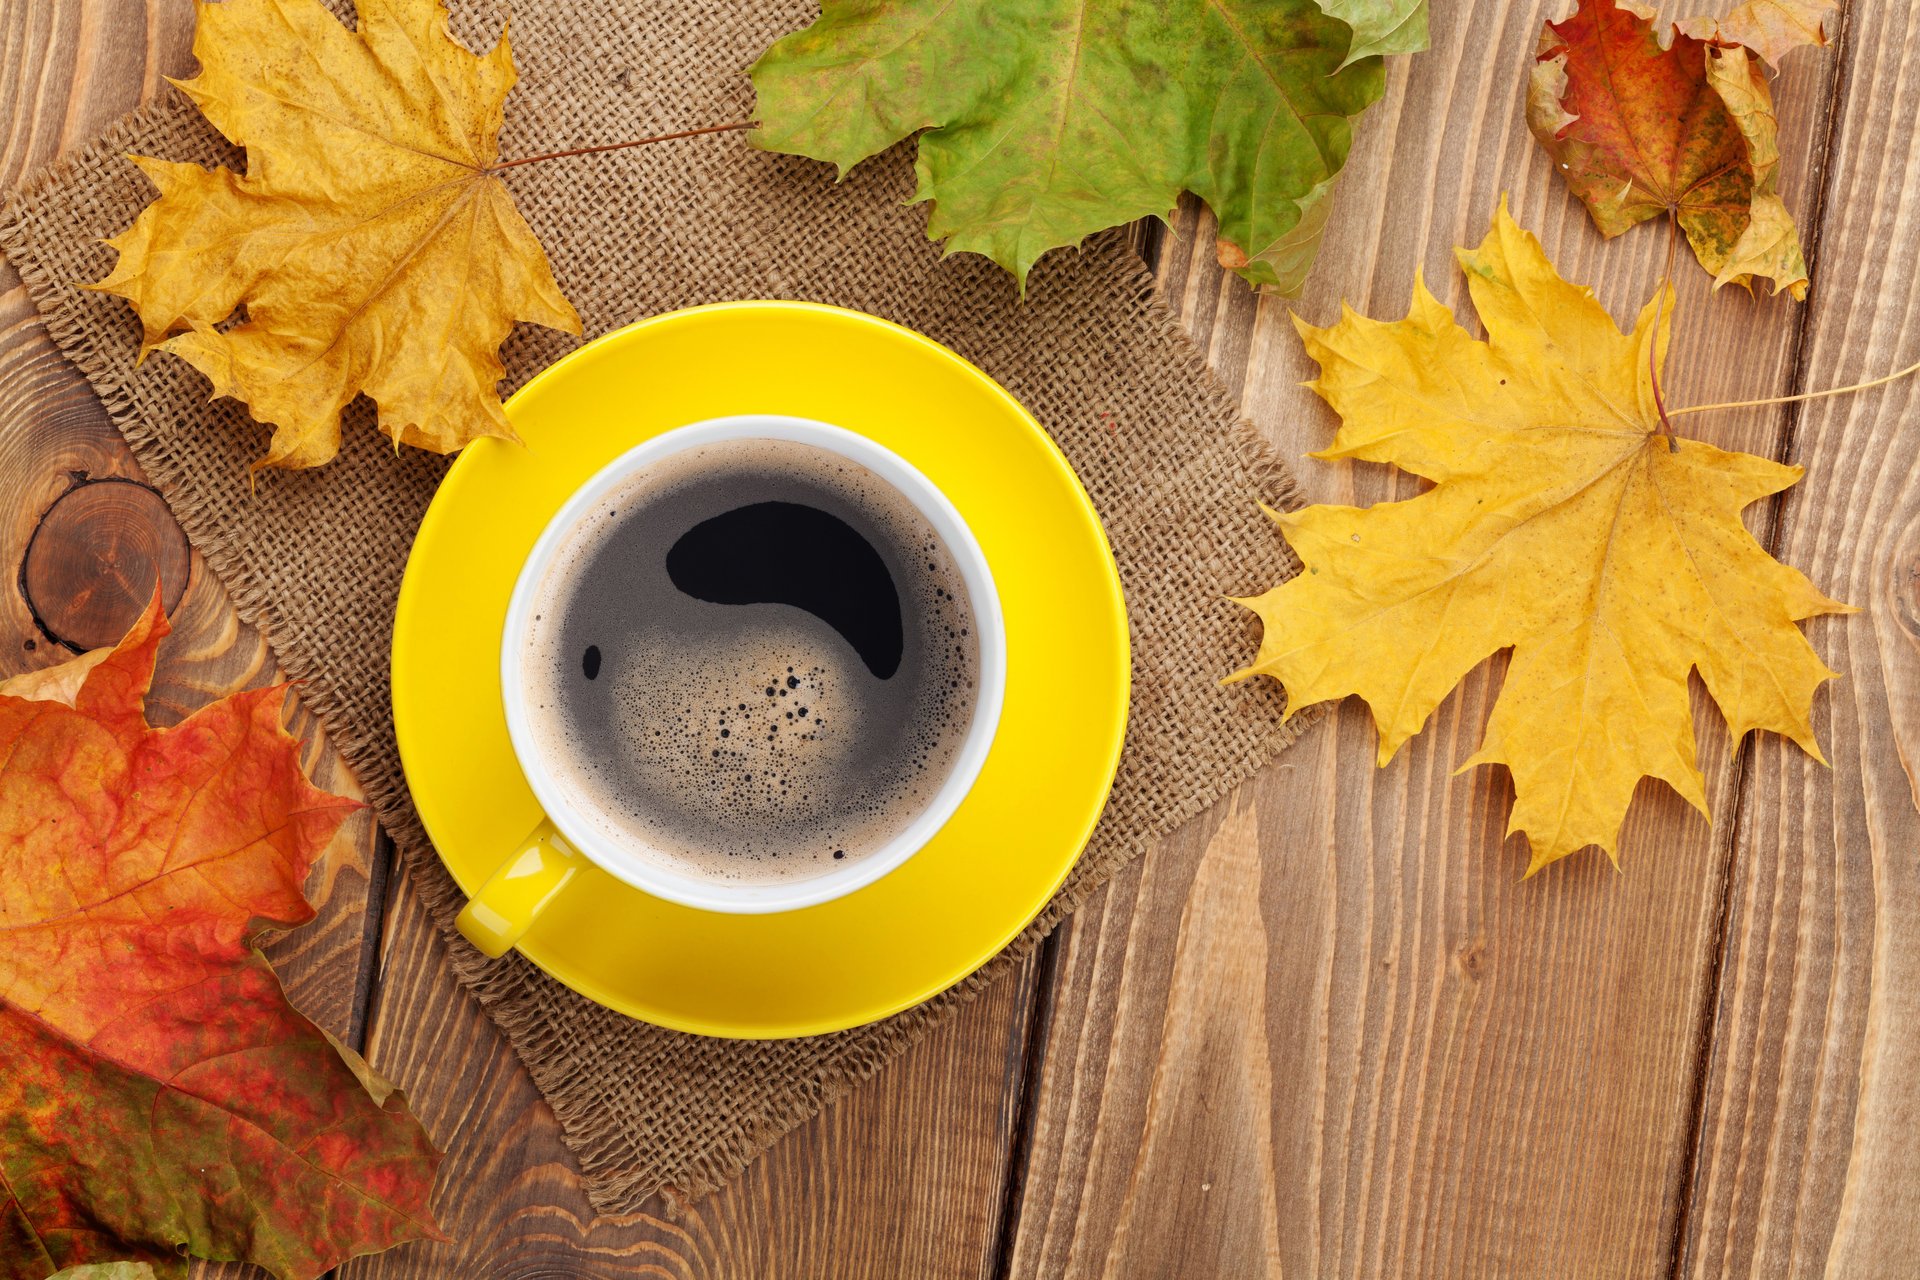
(1807, 1162)
(1215, 1095)
(1473, 1076)
(94, 557)
(72, 67)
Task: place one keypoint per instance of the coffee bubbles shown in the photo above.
(756, 659)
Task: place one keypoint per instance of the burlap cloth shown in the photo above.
(314, 558)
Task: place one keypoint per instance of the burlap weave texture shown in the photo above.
(315, 558)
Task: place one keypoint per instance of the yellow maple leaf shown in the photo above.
(371, 238)
(1562, 525)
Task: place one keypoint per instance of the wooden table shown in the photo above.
(1325, 1031)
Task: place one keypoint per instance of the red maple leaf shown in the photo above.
(160, 1098)
(1639, 128)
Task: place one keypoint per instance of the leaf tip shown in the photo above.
(1474, 761)
(1539, 857)
(1387, 743)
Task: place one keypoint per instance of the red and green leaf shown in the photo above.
(161, 1098)
(1639, 128)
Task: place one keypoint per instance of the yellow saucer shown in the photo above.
(959, 900)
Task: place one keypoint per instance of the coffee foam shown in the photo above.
(745, 743)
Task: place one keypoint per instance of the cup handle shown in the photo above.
(505, 908)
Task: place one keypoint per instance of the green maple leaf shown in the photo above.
(1048, 120)
(1382, 26)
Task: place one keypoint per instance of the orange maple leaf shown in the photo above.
(161, 1097)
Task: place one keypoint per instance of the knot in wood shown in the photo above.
(94, 556)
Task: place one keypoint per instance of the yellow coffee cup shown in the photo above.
(574, 832)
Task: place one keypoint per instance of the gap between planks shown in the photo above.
(1772, 535)
(372, 936)
(1035, 1025)
(1148, 238)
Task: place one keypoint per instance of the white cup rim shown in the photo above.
(634, 867)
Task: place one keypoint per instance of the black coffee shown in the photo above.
(756, 658)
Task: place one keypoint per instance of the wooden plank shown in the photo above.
(1463, 1074)
(69, 68)
(1807, 1163)
(902, 1178)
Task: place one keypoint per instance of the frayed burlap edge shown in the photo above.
(546, 1053)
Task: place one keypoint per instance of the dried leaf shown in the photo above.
(1638, 130)
(1771, 28)
(371, 240)
(1609, 558)
(55, 684)
(1048, 120)
(161, 1097)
